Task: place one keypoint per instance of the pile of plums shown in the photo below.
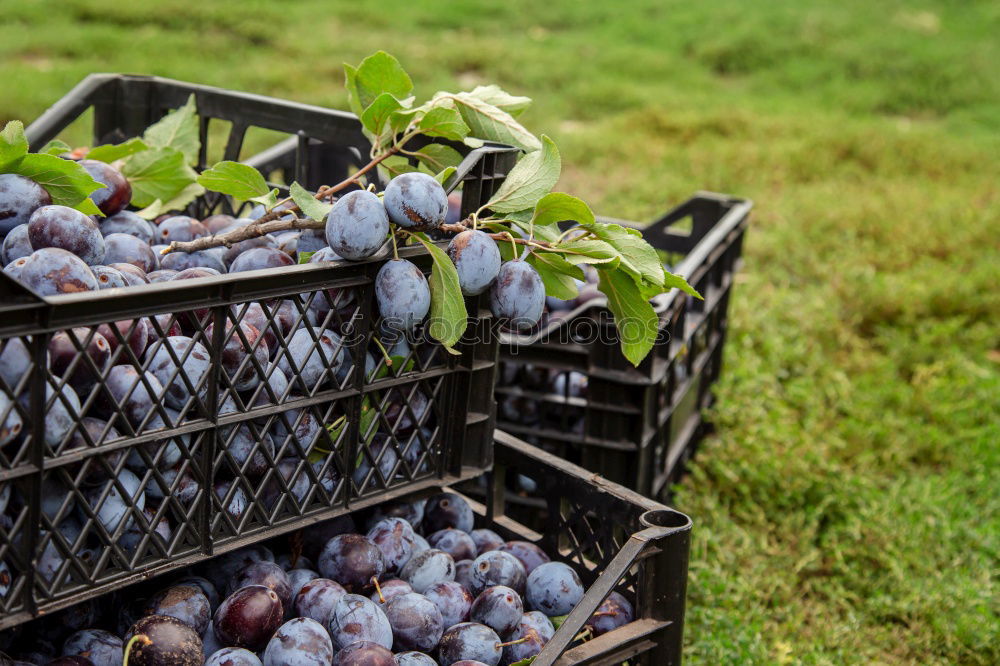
(54, 249)
(422, 587)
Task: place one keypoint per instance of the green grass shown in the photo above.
(848, 509)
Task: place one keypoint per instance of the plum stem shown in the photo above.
(385, 354)
(138, 638)
(519, 640)
(395, 250)
(378, 588)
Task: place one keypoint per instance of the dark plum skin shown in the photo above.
(135, 275)
(52, 271)
(496, 567)
(235, 351)
(316, 537)
(206, 587)
(115, 194)
(299, 642)
(389, 590)
(364, 653)
(216, 223)
(416, 622)
(455, 542)
(357, 225)
(178, 261)
(184, 602)
(194, 362)
(75, 660)
(317, 599)
(415, 200)
(268, 574)
(313, 359)
(394, 537)
(553, 588)
(63, 352)
(486, 540)
(614, 612)
(312, 240)
(109, 278)
(324, 254)
(222, 568)
(233, 657)
(402, 294)
(469, 640)
(352, 560)
(130, 394)
(447, 510)
(180, 228)
(535, 630)
(499, 608)
(477, 260)
(414, 659)
(67, 229)
(452, 600)
(126, 249)
(248, 617)
(101, 647)
(162, 275)
(19, 198)
(127, 222)
(357, 618)
(540, 622)
(259, 258)
(230, 254)
(297, 578)
(171, 642)
(16, 244)
(135, 333)
(517, 297)
(427, 568)
(530, 555)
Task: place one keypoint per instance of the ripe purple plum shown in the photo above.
(68, 229)
(164, 357)
(486, 540)
(180, 228)
(416, 622)
(230, 253)
(553, 588)
(248, 617)
(353, 561)
(356, 618)
(170, 642)
(240, 342)
(453, 601)
(259, 258)
(135, 275)
(19, 198)
(364, 653)
(455, 542)
(499, 608)
(297, 578)
(135, 396)
(357, 225)
(427, 568)
(233, 657)
(389, 590)
(529, 554)
(16, 244)
(178, 261)
(402, 294)
(415, 199)
(317, 599)
(299, 642)
(312, 361)
(477, 260)
(87, 364)
(472, 641)
(517, 297)
(496, 567)
(184, 602)
(216, 223)
(268, 574)
(101, 647)
(127, 222)
(615, 611)
(162, 275)
(109, 278)
(447, 510)
(394, 537)
(116, 193)
(52, 271)
(127, 249)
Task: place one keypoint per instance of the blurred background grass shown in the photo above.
(848, 510)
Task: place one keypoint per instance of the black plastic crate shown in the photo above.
(615, 539)
(569, 389)
(230, 455)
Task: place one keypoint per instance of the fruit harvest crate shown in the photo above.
(567, 387)
(107, 477)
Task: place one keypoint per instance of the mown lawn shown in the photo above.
(848, 510)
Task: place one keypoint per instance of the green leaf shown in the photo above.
(66, 181)
(179, 130)
(400, 120)
(557, 274)
(559, 207)
(308, 204)
(530, 180)
(637, 256)
(157, 173)
(490, 123)
(672, 281)
(522, 220)
(527, 661)
(436, 156)
(494, 95)
(351, 84)
(13, 145)
(635, 318)
(56, 147)
(240, 181)
(109, 153)
(448, 318)
(269, 200)
(588, 252)
(444, 122)
(377, 114)
(380, 73)
(179, 202)
(446, 173)
(558, 620)
(304, 257)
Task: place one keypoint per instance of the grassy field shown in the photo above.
(848, 511)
